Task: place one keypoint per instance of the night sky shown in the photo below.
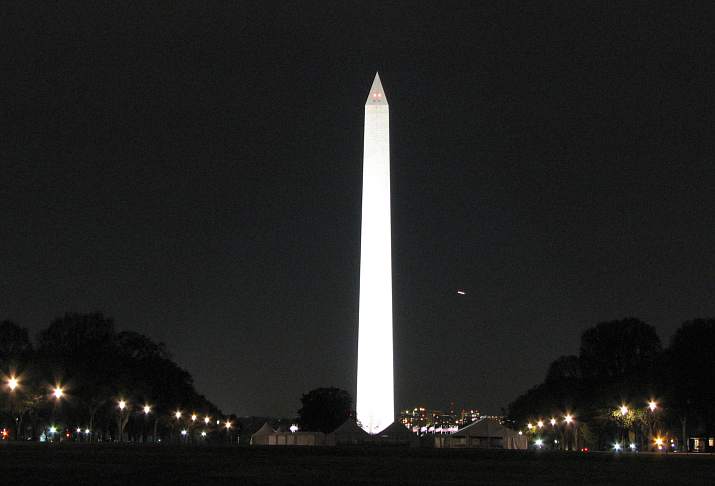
(194, 172)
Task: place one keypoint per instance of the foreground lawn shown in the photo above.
(30, 464)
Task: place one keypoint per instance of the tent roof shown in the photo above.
(396, 430)
(266, 429)
(486, 427)
(350, 426)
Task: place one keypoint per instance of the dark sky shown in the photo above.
(194, 171)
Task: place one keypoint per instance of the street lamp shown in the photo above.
(147, 409)
(177, 414)
(568, 418)
(193, 417)
(12, 383)
(122, 405)
(552, 421)
(652, 405)
(624, 410)
(58, 392)
(207, 419)
(540, 424)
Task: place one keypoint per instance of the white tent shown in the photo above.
(348, 433)
(486, 433)
(261, 436)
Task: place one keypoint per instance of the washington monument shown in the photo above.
(375, 390)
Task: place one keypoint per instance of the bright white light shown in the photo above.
(521, 433)
(207, 419)
(539, 442)
(624, 410)
(375, 387)
(184, 432)
(177, 414)
(79, 430)
(294, 428)
(652, 405)
(12, 383)
(203, 433)
(122, 404)
(552, 421)
(193, 417)
(58, 392)
(616, 447)
(632, 446)
(53, 430)
(147, 409)
(529, 426)
(227, 424)
(540, 423)
(461, 292)
(568, 418)
(86, 431)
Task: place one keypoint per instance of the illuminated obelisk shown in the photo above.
(375, 389)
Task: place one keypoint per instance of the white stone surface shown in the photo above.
(375, 387)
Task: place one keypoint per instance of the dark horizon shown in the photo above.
(195, 174)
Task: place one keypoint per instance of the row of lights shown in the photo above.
(58, 393)
(568, 420)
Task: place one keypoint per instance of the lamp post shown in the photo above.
(177, 416)
(12, 384)
(652, 407)
(122, 418)
(570, 444)
(227, 425)
(147, 410)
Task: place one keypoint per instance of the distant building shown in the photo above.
(422, 420)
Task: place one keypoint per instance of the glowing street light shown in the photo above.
(12, 383)
(540, 424)
(53, 430)
(79, 430)
(227, 424)
(529, 426)
(184, 432)
(58, 392)
(177, 414)
(568, 418)
(624, 410)
(87, 431)
(652, 405)
(552, 421)
(147, 409)
(203, 433)
(539, 443)
(617, 447)
(632, 446)
(122, 405)
(193, 417)
(207, 419)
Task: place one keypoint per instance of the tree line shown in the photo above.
(625, 387)
(81, 376)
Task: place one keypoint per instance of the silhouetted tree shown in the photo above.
(691, 375)
(324, 409)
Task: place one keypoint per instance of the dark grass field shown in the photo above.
(30, 464)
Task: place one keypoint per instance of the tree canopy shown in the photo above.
(623, 364)
(95, 366)
(324, 409)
